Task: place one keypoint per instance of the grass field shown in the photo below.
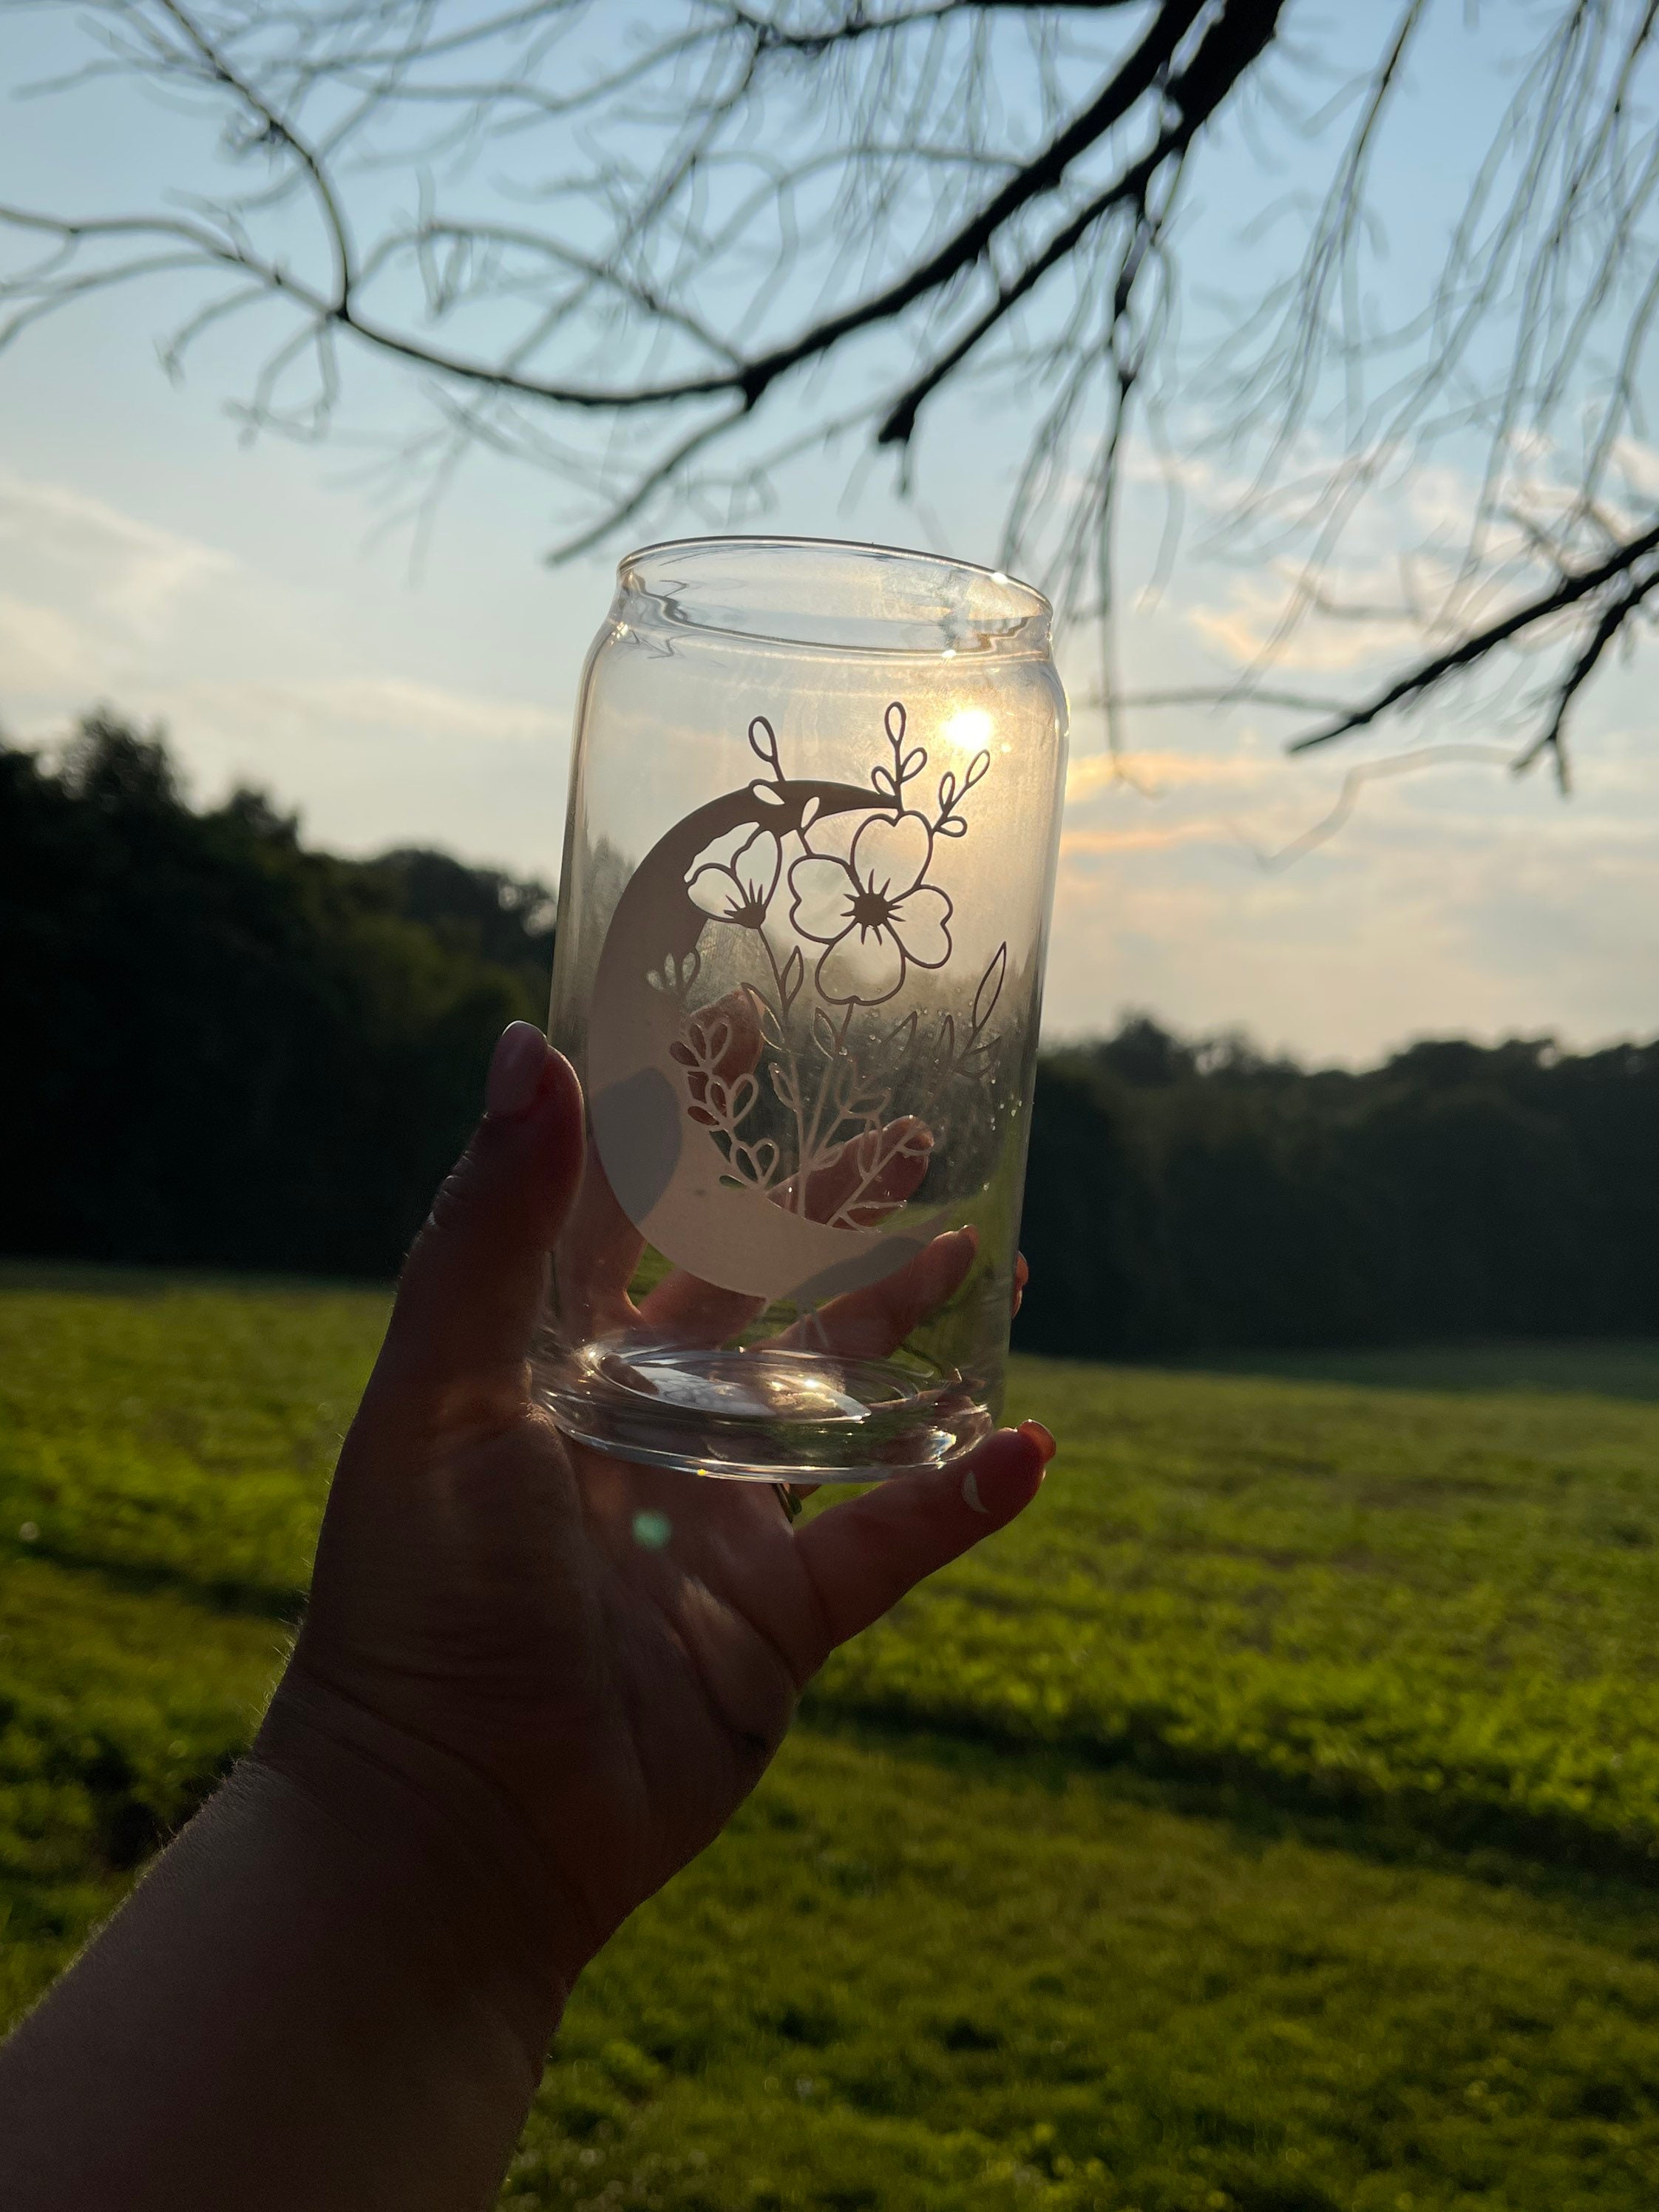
(1269, 1823)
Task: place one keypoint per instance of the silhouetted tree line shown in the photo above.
(1184, 1196)
(221, 1048)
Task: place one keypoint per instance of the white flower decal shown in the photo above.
(733, 878)
(813, 1088)
(872, 911)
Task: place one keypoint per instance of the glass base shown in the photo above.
(768, 1415)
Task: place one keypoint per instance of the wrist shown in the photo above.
(440, 1842)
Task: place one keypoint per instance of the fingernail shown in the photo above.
(515, 1070)
(1035, 1433)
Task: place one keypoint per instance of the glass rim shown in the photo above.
(975, 609)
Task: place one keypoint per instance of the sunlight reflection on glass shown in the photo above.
(970, 730)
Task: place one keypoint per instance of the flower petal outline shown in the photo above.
(919, 923)
(721, 852)
(715, 890)
(821, 890)
(863, 968)
(890, 853)
(756, 865)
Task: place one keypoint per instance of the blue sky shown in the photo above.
(251, 597)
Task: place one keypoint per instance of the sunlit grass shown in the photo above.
(1224, 1839)
(1440, 1611)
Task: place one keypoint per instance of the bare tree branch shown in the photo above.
(1295, 703)
(1234, 42)
(1633, 569)
(659, 247)
(1352, 787)
(1620, 606)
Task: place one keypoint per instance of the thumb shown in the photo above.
(471, 1288)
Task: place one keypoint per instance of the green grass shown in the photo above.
(905, 1980)
(1604, 1369)
(1269, 1823)
(1439, 1611)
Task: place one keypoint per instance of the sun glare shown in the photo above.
(970, 730)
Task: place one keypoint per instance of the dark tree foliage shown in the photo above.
(479, 913)
(1186, 1196)
(221, 1048)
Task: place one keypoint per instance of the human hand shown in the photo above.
(604, 1657)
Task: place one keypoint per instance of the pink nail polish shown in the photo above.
(515, 1071)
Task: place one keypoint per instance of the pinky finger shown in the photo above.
(864, 1556)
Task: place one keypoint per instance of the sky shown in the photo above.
(253, 598)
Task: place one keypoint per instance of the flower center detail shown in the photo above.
(871, 910)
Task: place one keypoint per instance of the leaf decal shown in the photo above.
(764, 1014)
(990, 987)
(763, 744)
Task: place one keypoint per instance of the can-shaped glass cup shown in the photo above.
(808, 866)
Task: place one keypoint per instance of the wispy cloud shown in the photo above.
(1253, 626)
(96, 605)
(1381, 939)
(374, 710)
(1156, 770)
(122, 571)
(42, 649)
(1095, 844)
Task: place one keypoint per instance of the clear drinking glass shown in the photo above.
(814, 808)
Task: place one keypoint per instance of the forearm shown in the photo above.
(324, 1996)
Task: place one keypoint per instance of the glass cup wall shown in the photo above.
(809, 861)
